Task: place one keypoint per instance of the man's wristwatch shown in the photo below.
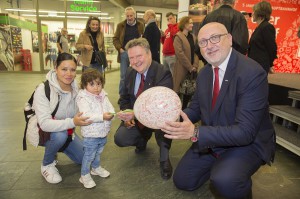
(194, 138)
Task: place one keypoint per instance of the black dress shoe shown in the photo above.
(141, 146)
(140, 149)
(166, 169)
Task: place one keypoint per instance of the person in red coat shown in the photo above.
(167, 39)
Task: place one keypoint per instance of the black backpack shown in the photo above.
(28, 111)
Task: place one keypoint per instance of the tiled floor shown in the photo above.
(132, 176)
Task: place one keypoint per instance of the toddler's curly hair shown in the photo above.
(89, 75)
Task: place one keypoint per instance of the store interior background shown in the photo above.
(111, 13)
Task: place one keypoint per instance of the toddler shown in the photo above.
(93, 102)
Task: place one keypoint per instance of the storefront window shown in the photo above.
(29, 40)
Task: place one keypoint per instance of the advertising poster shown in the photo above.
(16, 38)
(6, 50)
(35, 41)
(286, 20)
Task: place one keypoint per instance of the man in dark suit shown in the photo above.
(236, 135)
(152, 34)
(143, 69)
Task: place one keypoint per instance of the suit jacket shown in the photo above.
(263, 48)
(152, 34)
(119, 35)
(241, 113)
(235, 23)
(157, 75)
(84, 39)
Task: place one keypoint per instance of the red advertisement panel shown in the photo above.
(286, 20)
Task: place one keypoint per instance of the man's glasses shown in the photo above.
(213, 39)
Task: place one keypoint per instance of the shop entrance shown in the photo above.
(47, 41)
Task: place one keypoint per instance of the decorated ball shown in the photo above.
(157, 105)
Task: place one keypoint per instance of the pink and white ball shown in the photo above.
(157, 105)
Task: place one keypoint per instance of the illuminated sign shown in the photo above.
(83, 6)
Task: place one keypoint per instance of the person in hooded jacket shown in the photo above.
(63, 90)
(93, 101)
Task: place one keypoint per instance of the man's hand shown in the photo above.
(179, 130)
(129, 124)
(81, 121)
(125, 116)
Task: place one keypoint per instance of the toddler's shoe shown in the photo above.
(100, 172)
(51, 173)
(87, 181)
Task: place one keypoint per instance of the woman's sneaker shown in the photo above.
(51, 173)
(100, 172)
(87, 181)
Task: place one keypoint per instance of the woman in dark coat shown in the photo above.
(263, 48)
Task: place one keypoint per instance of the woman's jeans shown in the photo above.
(57, 139)
(92, 148)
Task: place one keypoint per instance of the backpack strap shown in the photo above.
(47, 93)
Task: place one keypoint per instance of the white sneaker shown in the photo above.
(100, 172)
(51, 173)
(87, 181)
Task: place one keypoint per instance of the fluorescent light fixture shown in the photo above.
(59, 16)
(88, 13)
(86, 1)
(19, 10)
(50, 12)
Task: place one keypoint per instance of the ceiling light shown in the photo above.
(50, 12)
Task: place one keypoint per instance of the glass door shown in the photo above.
(48, 46)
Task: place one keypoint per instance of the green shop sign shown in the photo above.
(83, 6)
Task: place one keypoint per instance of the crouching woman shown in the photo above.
(61, 126)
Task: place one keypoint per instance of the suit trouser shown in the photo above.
(230, 173)
(124, 64)
(133, 137)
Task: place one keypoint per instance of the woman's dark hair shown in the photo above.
(183, 21)
(87, 27)
(63, 57)
(263, 10)
(90, 75)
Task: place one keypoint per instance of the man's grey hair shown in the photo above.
(130, 9)
(142, 42)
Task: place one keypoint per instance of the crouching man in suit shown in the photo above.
(143, 74)
(236, 135)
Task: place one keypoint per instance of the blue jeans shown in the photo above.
(97, 67)
(123, 67)
(92, 148)
(57, 140)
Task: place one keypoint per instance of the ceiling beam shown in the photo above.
(120, 3)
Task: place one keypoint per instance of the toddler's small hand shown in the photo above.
(108, 116)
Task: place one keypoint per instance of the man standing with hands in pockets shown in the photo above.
(167, 40)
